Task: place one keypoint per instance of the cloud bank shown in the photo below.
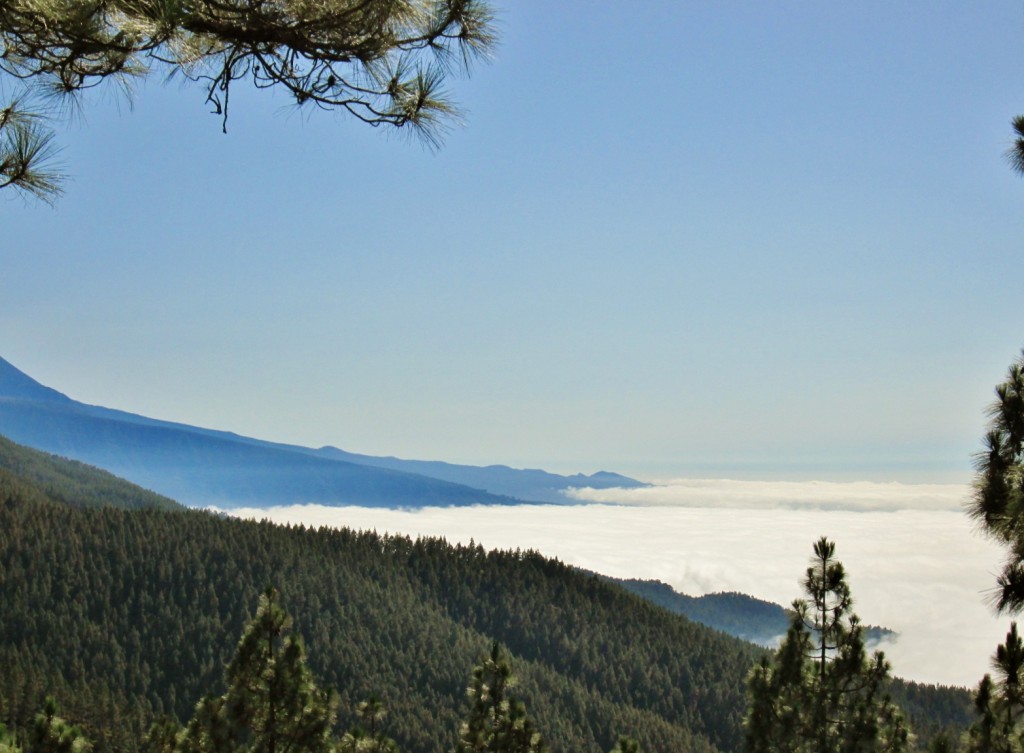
(819, 495)
(914, 561)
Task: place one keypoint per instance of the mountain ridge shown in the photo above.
(211, 467)
(17, 383)
(534, 484)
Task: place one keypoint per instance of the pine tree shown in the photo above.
(626, 745)
(51, 734)
(999, 703)
(26, 153)
(998, 503)
(272, 704)
(821, 693)
(8, 743)
(942, 743)
(162, 737)
(497, 723)
(368, 736)
(384, 62)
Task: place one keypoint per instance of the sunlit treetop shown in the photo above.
(384, 62)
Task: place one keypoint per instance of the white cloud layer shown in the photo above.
(915, 563)
(824, 495)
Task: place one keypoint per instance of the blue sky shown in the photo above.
(671, 238)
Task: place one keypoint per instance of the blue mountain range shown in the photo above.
(201, 467)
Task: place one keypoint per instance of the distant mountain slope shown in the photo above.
(739, 615)
(531, 484)
(74, 484)
(14, 383)
(207, 467)
(204, 470)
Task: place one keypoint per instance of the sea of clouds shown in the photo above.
(817, 495)
(916, 563)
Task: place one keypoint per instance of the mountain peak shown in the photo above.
(18, 384)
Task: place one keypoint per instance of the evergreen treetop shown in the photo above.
(383, 62)
(999, 702)
(821, 692)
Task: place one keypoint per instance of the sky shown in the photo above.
(914, 566)
(744, 240)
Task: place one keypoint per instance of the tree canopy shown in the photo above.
(384, 62)
(821, 692)
(999, 703)
(497, 722)
(998, 501)
(272, 704)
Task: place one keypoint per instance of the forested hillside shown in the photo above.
(127, 615)
(138, 611)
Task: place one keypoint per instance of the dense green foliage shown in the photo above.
(933, 711)
(999, 484)
(130, 616)
(272, 703)
(999, 703)
(48, 733)
(821, 693)
(998, 504)
(497, 722)
(52, 734)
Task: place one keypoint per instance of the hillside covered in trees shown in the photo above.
(129, 615)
